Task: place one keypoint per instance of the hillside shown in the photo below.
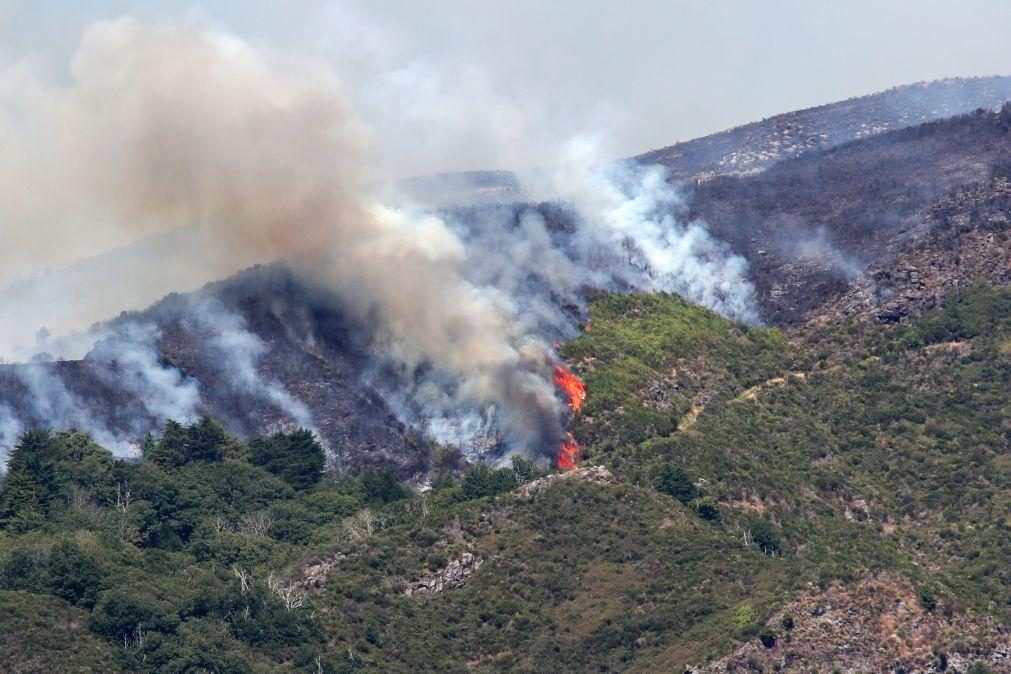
(263, 350)
(810, 227)
(826, 491)
(743, 506)
(883, 227)
(754, 147)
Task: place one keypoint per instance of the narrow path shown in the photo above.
(692, 415)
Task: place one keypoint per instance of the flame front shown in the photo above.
(575, 393)
(573, 386)
(567, 454)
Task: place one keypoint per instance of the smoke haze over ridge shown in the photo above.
(173, 125)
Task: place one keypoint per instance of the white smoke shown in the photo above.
(132, 363)
(173, 125)
(55, 406)
(238, 352)
(11, 429)
(633, 208)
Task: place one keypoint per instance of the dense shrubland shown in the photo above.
(750, 469)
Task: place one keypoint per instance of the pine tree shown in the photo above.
(35, 485)
(296, 457)
(172, 450)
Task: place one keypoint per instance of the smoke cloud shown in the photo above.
(132, 363)
(10, 430)
(172, 125)
(237, 352)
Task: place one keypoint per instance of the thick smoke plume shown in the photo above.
(173, 125)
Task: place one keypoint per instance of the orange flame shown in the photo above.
(575, 389)
(567, 454)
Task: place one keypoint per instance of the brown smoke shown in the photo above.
(170, 125)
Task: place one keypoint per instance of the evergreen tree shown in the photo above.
(35, 485)
(172, 450)
(207, 439)
(296, 457)
(673, 481)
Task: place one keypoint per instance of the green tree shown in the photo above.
(481, 480)
(207, 439)
(297, 458)
(36, 483)
(764, 536)
(707, 508)
(381, 486)
(124, 613)
(74, 574)
(673, 481)
(172, 449)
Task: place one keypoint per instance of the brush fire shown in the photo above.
(575, 393)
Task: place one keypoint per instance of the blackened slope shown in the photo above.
(810, 225)
(310, 352)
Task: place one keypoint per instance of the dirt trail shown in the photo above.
(692, 415)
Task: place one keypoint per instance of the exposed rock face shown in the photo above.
(455, 575)
(596, 474)
(314, 575)
(967, 241)
(875, 625)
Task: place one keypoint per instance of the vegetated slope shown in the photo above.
(756, 146)
(42, 634)
(810, 226)
(878, 448)
(805, 476)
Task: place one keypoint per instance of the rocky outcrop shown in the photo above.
(595, 474)
(314, 575)
(454, 575)
(967, 242)
(878, 624)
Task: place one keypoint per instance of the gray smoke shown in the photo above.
(10, 430)
(237, 352)
(133, 363)
(58, 407)
(173, 125)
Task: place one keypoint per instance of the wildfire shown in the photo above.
(575, 392)
(575, 389)
(567, 454)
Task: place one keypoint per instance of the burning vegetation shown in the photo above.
(575, 393)
(572, 386)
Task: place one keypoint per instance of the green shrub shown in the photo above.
(707, 508)
(297, 457)
(481, 480)
(764, 536)
(927, 597)
(674, 482)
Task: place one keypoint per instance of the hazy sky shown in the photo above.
(643, 73)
